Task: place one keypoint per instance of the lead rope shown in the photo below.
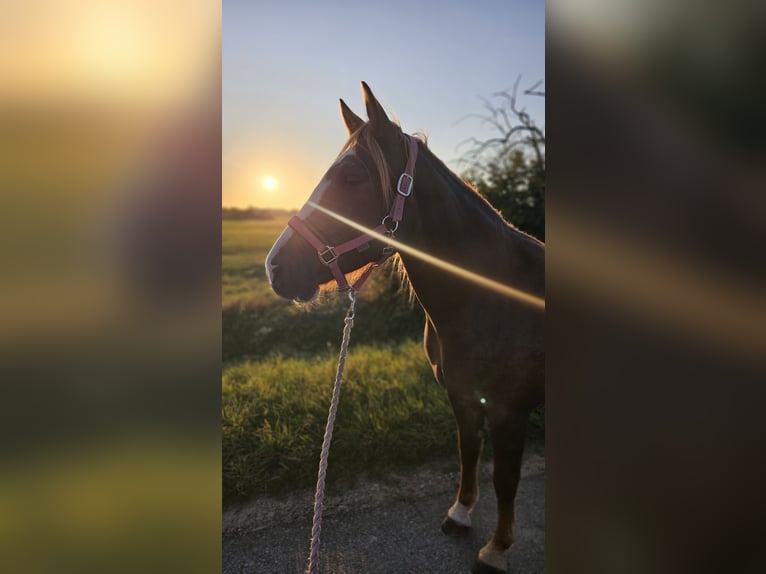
(316, 526)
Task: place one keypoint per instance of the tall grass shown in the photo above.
(259, 326)
(391, 413)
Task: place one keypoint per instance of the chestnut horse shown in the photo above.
(485, 348)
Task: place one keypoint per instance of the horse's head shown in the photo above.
(357, 186)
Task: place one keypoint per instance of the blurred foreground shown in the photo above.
(655, 303)
(109, 297)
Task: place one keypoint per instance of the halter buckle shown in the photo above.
(406, 181)
(332, 255)
(390, 230)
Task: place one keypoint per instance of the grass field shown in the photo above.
(391, 413)
(279, 368)
(245, 245)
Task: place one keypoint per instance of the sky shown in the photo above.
(430, 63)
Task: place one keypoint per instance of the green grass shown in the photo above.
(391, 413)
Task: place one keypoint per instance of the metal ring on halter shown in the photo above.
(389, 231)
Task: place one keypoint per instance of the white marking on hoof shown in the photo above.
(493, 556)
(460, 514)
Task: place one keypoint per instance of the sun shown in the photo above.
(269, 183)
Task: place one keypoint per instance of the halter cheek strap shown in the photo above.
(329, 255)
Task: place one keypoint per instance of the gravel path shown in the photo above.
(387, 526)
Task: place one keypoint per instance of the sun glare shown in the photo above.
(269, 183)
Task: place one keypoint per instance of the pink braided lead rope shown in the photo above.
(316, 527)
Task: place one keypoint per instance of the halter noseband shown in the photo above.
(329, 255)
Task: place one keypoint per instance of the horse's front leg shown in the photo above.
(470, 420)
(508, 436)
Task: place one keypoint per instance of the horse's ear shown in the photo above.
(379, 122)
(352, 121)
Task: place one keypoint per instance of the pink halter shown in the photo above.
(329, 255)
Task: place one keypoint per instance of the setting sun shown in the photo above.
(269, 182)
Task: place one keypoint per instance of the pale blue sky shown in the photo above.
(286, 63)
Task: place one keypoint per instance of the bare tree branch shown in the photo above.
(513, 124)
(508, 167)
(532, 90)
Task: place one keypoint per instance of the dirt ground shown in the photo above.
(386, 526)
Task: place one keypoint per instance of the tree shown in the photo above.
(509, 169)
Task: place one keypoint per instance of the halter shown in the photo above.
(329, 255)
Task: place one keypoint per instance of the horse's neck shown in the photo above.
(455, 226)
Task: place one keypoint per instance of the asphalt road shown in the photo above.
(388, 526)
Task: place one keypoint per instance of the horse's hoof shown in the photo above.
(452, 528)
(480, 568)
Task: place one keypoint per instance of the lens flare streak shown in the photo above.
(496, 286)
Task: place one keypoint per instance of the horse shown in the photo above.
(485, 348)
